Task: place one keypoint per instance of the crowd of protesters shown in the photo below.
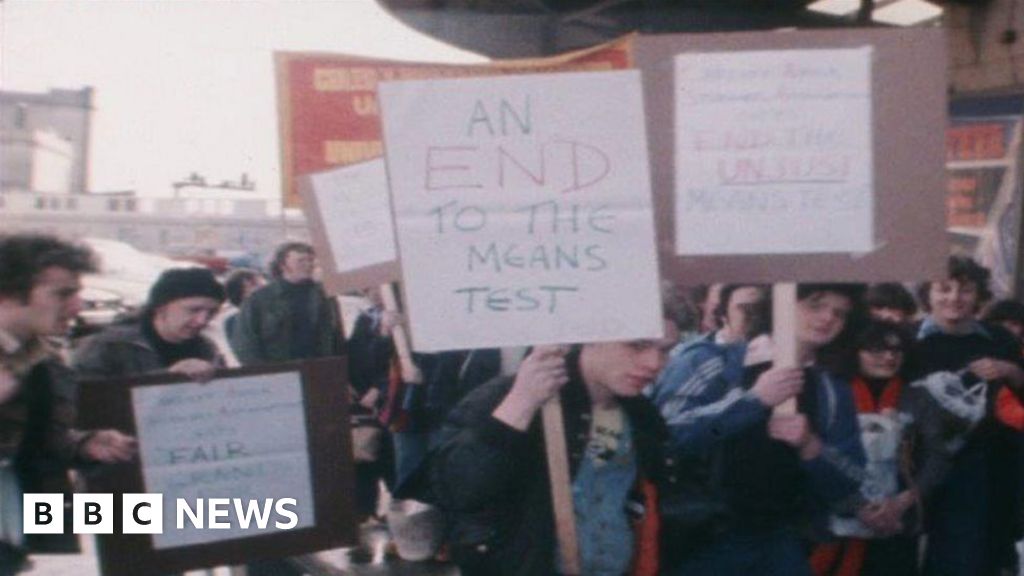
(895, 446)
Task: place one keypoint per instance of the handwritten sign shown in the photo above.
(240, 437)
(353, 203)
(774, 152)
(523, 209)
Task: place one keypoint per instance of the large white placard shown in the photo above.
(523, 209)
(241, 437)
(774, 152)
(353, 203)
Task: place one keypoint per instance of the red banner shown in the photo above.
(328, 110)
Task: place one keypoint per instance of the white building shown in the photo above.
(44, 187)
(180, 226)
(44, 140)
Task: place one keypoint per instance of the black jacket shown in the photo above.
(492, 480)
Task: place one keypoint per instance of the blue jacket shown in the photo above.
(704, 396)
(699, 394)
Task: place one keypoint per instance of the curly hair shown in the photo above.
(282, 253)
(963, 270)
(23, 257)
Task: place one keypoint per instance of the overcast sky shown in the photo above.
(187, 85)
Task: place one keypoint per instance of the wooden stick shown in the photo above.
(561, 485)
(784, 335)
(398, 335)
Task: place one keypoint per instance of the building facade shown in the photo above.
(45, 140)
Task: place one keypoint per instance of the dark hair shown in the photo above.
(838, 355)
(855, 292)
(891, 295)
(725, 295)
(1004, 311)
(234, 286)
(962, 269)
(877, 333)
(679, 306)
(282, 253)
(23, 257)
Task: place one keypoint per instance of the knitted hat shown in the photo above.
(178, 283)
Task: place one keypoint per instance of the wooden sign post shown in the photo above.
(561, 486)
(784, 344)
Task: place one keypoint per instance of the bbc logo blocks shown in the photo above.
(92, 514)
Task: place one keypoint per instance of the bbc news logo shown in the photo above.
(144, 513)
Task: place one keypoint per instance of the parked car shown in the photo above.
(100, 308)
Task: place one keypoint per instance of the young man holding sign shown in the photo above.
(769, 473)
(490, 477)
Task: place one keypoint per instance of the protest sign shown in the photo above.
(778, 144)
(240, 437)
(328, 109)
(353, 229)
(251, 434)
(522, 208)
(808, 156)
(894, 231)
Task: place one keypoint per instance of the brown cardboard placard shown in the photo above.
(908, 111)
(108, 404)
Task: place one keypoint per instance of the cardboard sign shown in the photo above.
(240, 437)
(353, 226)
(778, 144)
(897, 234)
(522, 209)
(269, 432)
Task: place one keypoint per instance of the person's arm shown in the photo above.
(834, 458)
(998, 370)
(73, 446)
(479, 457)
(933, 453)
(836, 468)
(487, 444)
(702, 407)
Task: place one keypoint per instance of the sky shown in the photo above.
(186, 86)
